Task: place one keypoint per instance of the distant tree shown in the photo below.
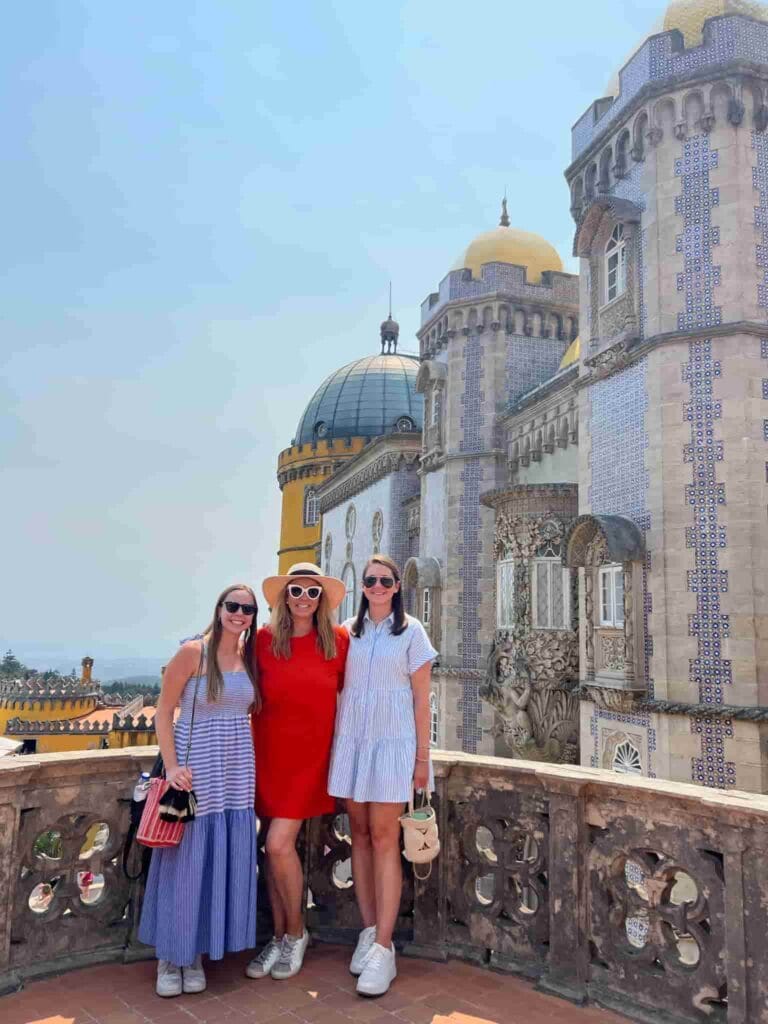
(11, 667)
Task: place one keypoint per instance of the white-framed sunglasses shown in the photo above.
(295, 590)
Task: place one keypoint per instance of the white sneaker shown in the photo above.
(291, 957)
(379, 971)
(193, 977)
(365, 940)
(169, 981)
(263, 963)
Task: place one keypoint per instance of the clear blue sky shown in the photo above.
(204, 203)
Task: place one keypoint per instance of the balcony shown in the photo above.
(646, 898)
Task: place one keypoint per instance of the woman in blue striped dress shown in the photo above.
(201, 895)
(380, 754)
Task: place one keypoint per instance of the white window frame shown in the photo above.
(426, 606)
(349, 581)
(615, 264)
(611, 611)
(434, 719)
(505, 565)
(553, 565)
(311, 506)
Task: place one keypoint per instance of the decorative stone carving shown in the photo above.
(519, 537)
(612, 699)
(654, 136)
(612, 653)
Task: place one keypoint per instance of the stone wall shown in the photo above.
(648, 897)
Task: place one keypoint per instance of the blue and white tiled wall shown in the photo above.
(729, 38)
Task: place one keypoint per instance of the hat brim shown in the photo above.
(273, 586)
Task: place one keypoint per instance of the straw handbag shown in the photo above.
(420, 839)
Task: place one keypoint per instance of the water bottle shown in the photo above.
(141, 788)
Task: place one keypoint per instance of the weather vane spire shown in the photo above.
(504, 222)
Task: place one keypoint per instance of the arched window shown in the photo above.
(311, 509)
(328, 553)
(348, 604)
(615, 264)
(377, 530)
(350, 522)
(550, 599)
(433, 719)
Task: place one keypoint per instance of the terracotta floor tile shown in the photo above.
(324, 993)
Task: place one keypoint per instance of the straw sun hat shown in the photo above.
(273, 586)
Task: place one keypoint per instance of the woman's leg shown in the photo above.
(285, 874)
(362, 861)
(387, 867)
(275, 903)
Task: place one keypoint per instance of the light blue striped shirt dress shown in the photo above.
(374, 747)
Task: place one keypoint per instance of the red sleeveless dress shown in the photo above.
(293, 732)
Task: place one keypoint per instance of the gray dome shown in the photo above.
(367, 398)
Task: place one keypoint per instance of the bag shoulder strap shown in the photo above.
(203, 648)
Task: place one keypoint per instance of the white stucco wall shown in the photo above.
(367, 503)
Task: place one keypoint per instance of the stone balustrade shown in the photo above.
(648, 897)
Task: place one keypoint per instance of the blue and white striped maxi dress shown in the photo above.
(374, 746)
(201, 895)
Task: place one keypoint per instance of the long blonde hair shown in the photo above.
(214, 678)
(281, 627)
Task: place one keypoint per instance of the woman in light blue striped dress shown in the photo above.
(380, 754)
(201, 895)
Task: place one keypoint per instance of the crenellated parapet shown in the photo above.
(71, 727)
(733, 42)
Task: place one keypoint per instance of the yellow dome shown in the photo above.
(689, 15)
(572, 354)
(509, 245)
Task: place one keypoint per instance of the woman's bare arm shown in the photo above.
(182, 666)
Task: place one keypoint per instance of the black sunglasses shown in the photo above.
(385, 581)
(233, 606)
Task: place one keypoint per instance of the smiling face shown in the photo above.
(379, 596)
(304, 606)
(236, 622)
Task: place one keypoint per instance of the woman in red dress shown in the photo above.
(301, 656)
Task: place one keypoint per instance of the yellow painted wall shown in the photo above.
(44, 710)
(123, 738)
(55, 744)
(297, 541)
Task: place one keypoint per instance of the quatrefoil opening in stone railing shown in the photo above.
(69, 869)
(659, 912)
(497, 849)
(507, 876)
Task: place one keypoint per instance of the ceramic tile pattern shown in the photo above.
(706, 535)
(472, 475)
(498, 277)
(529, 362)
(729, 38)
(700, 275)
(323, 993)
(760, 184)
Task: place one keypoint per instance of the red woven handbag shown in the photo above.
(153, 831)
